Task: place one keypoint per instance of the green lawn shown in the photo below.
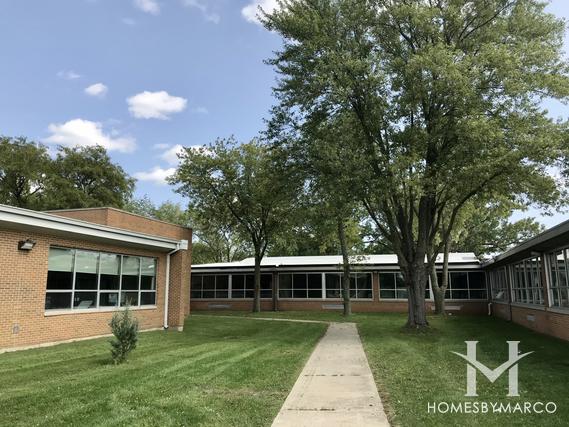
(217, 372)
(412, 369)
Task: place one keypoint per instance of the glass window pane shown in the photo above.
(238, 281)
(148, 298)
(86, 262)
(59, 280)
(237, 293)
(85, 281)
(129, 298)
(130, 273)
(83, 300)
(315, 293)
(57, 301)
(148, 283)
(299, 282)
(285, 281)
(196, 293)
(86, 271)
(387, 281)
(315, 282)
(459, 280)
(386, 294)
(209, 282)
(148, 266)
(333, 284)
(110, 299)
(477, 280)
(299, 293)
(60, 259)
(402, 293)
(250, 283)
(196, 281)
(285, 293)
(60, 269)
(399, 281)
(222, 282)
(459, 294)
(130, 265)
(110, 271)
(222, 294)
(364, 281)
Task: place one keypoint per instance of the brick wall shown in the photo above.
(23, 278)
(127, 221)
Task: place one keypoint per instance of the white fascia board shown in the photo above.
(48, 222)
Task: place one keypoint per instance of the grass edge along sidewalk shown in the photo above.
(215, 373)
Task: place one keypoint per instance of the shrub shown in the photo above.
(125, 329)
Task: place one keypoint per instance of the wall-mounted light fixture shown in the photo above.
(26, 245)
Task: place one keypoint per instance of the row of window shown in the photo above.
(81, 279)
(462, 285)
(524, 279)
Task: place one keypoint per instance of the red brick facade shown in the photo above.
(23, 318)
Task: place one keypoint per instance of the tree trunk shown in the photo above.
(415, 276)
(346, 268)
(257, 295)
(439, 289)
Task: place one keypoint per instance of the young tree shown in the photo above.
(24, 169)
(249, 188)
(86, 177)
(445, 97)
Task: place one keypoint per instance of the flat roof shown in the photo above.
(457, 258)
(41, 222)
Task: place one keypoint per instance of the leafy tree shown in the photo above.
(247, 187)
(445, 98)
(86, 177)
(24, 168)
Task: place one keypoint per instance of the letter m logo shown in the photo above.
(510, 365)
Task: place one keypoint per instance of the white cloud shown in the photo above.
(208, 16)
(171, 154)
(155, 105)
(98, 89)
(129, 21)
(68, 75)
(148, 6)
(156, 175)
(87, 133)
(251, 11)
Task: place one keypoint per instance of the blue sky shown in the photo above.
(142, 77)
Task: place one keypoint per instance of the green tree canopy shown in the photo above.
(24, 170)
(248, 187)
(76, 178)
(445, 98)
(85, 177)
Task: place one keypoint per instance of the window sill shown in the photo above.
(49, 313)
(558, 310)
(530, 306)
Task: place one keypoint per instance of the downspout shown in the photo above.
(181, 245)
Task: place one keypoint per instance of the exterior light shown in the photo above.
(26, 245)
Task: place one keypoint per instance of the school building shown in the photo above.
(64, 273)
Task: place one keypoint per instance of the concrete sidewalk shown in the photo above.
(336, 386)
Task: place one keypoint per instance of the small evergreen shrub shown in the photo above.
(125, 329)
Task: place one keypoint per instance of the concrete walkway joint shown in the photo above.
(336, 386)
